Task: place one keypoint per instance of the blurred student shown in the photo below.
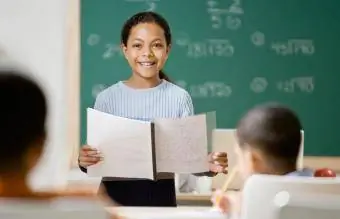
(269, 139)
(23, 133)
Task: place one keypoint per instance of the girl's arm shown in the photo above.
(100, 105)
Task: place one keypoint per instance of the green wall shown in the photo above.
(231, 55)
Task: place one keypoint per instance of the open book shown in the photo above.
(139, 149)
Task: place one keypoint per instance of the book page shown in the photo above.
(182, 144)
(211, 126)
(125, 144)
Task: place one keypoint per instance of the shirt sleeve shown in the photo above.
(101, 103)
(188, 107)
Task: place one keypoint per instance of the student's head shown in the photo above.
(269, 138)
(146, 42)
(22, 122)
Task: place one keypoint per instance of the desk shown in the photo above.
(167, 212)
(193, 199)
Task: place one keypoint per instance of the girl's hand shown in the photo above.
(218, 162)
(89, 156)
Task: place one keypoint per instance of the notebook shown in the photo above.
(140, 149)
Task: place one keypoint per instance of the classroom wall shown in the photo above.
(33, 34)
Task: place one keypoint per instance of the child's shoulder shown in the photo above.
(170, 89)
(302, 172)
(105, 93)
(176, 90)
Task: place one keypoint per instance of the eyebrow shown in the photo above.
(139, 39)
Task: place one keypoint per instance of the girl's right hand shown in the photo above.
(89, 156)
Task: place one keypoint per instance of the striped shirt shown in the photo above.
(166, 100)
(303, 172)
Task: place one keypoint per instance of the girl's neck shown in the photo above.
(14, 186)
(141, 83)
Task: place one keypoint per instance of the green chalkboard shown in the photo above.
(231, 55)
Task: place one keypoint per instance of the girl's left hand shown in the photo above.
(218, 162)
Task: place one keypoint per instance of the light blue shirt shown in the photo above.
(303, 172)
(166, 100)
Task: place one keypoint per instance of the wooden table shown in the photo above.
(189, 199)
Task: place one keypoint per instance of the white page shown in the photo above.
(182, 145)
(125, 144)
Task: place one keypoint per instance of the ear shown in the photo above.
(257, 161)
(124, 49)
(168, 49)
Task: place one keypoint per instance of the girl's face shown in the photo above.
(146, 50)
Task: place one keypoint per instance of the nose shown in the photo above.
(147, 51)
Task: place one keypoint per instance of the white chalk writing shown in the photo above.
(207, 89)
(93, 39)
(97, 88)
(112, 50)
(258, 84)
(209, 47)
(220, 47)
(304, 84)
(150, 4)
(233, 23)
(182, 39)
(294, 46)
(258, 38)
(235, 7)
(228, 17)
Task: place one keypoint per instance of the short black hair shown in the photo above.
(22, 118)
(273, 129)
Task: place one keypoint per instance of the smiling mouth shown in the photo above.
(147, 64)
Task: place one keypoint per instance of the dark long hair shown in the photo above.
(162, 75)
(147, 17)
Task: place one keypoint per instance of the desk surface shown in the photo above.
(193, 212)
(189, 199)
(193, 197)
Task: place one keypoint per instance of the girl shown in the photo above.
(147, 94)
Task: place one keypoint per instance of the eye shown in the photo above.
(137, 45)
(158, 45)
